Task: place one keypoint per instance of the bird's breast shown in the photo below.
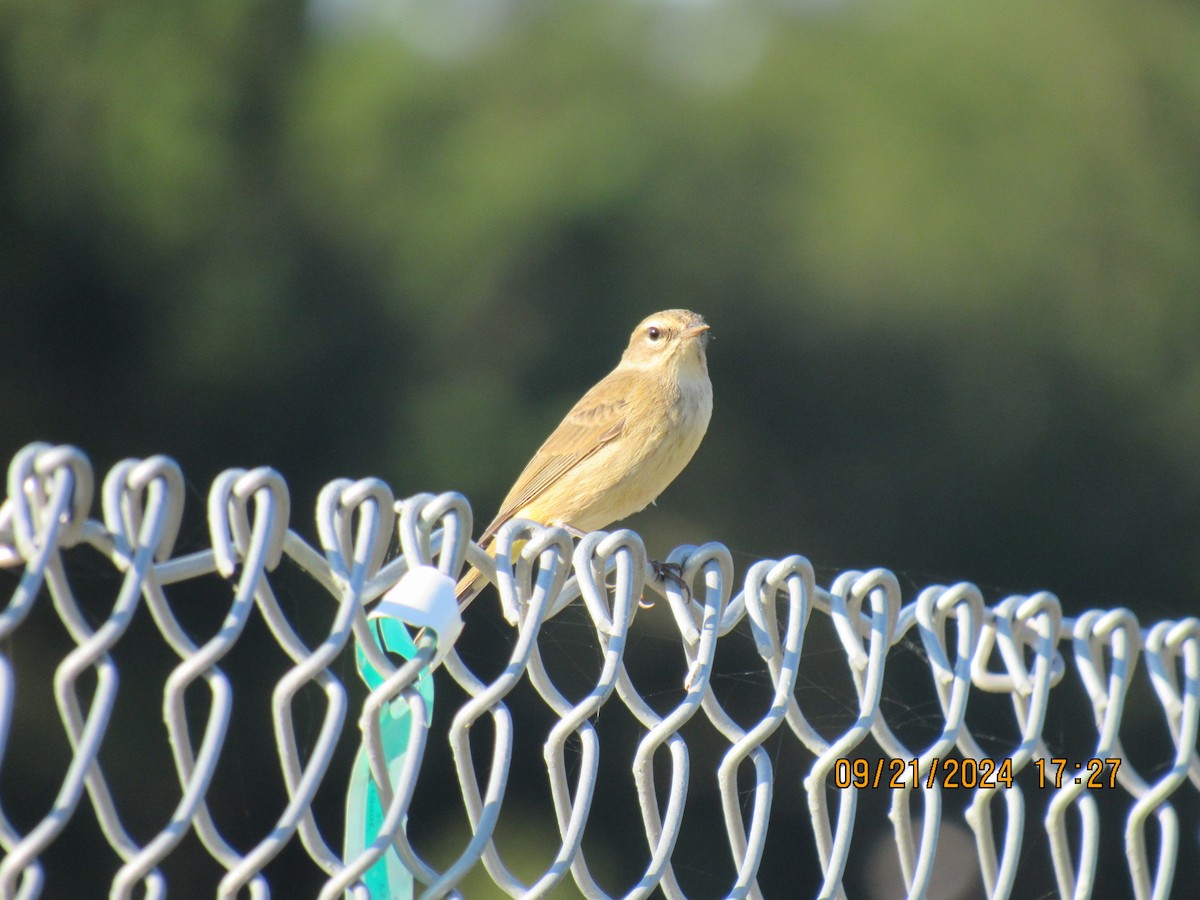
(655, 448)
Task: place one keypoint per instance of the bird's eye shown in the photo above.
(654, 332)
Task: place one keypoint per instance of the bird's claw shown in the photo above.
(673, 572)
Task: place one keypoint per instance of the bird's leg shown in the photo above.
(663, 571)
(669, 571)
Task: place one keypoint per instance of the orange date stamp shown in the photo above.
(966, 774)
(971, 774)
(1057, 770)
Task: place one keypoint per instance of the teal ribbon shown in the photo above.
(388, 879)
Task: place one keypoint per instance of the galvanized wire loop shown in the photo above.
(1095, 633)
(793, 578)
(37, 475)
(623, 553)
(236, 534)
(934, 607)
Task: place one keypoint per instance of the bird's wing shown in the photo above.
(599, 417)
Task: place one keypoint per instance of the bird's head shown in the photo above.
(674, 337)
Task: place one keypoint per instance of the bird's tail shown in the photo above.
(469, 587)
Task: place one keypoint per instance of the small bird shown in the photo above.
(622, 443)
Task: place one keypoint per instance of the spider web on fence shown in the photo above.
(186, 721)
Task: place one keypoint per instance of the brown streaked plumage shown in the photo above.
(623, 442)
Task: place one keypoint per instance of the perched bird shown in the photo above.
(622, 443)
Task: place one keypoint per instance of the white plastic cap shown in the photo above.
(424, 598)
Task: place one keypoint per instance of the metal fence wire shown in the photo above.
(190, 722)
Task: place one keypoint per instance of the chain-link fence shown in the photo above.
(229, 719)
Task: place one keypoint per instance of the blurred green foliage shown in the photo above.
(950, 252)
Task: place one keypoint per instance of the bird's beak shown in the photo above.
(695, 331)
